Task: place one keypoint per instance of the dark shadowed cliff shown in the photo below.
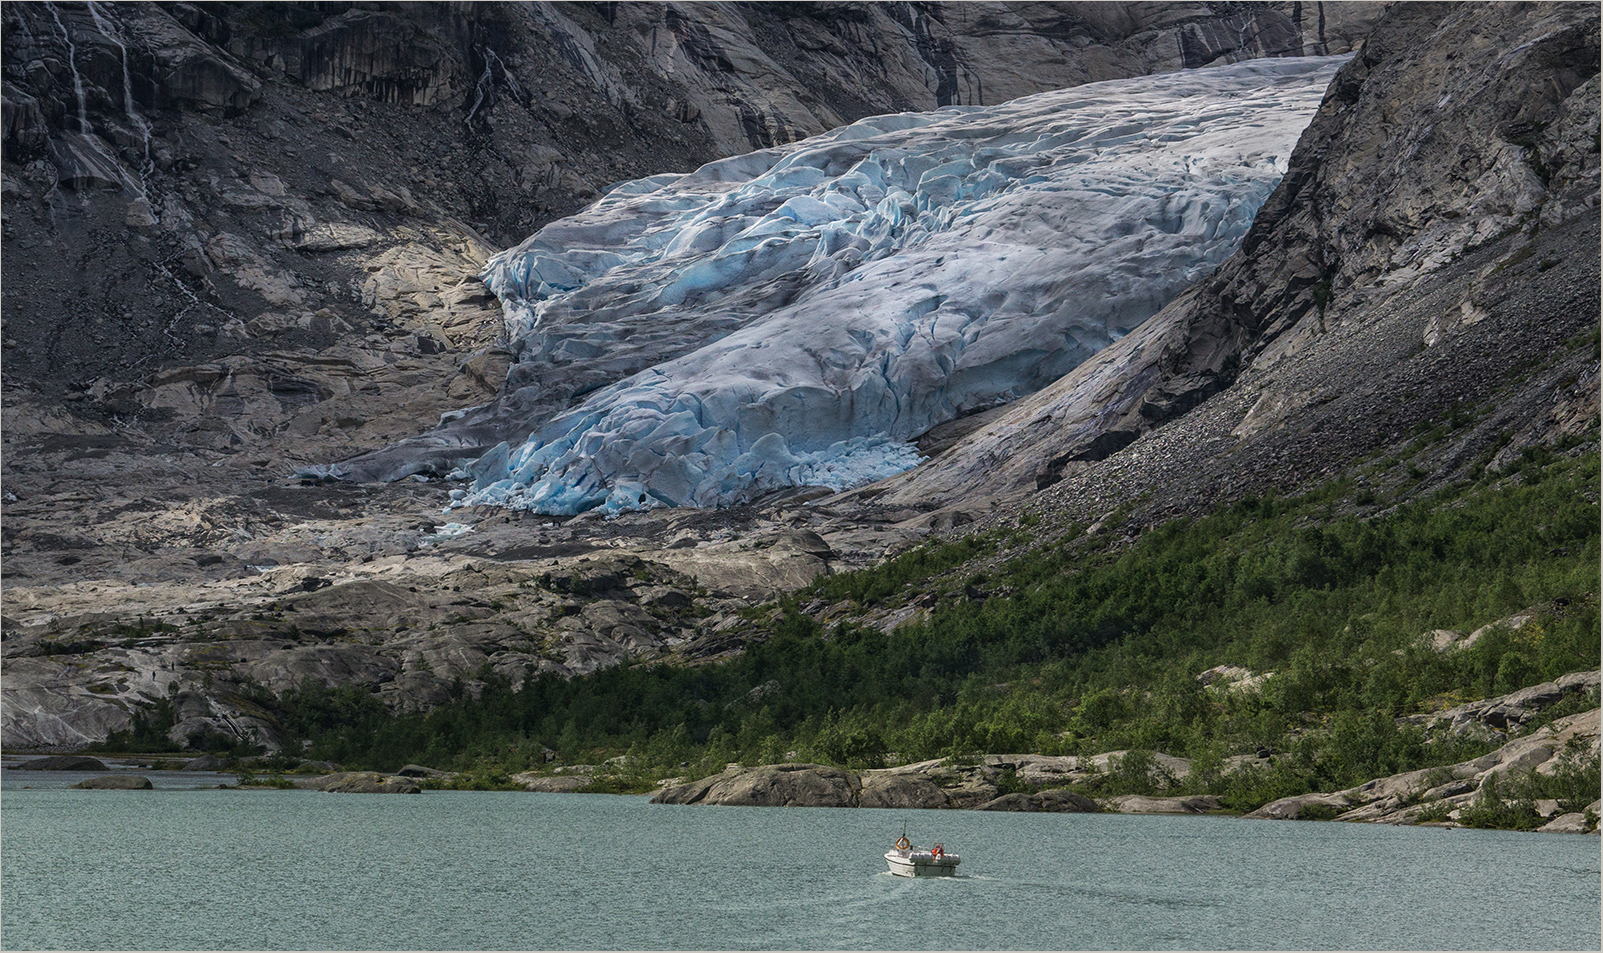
(1433, 246)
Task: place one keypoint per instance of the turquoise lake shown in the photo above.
(216, 869)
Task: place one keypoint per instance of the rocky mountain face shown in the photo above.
(240, 238)
(1431, 251)
(410, 629)
(238, 220)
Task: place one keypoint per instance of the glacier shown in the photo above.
(800, 315)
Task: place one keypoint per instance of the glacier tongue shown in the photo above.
(797, 316)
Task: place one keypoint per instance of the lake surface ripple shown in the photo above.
(210, 869)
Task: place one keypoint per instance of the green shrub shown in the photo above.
(482, 776)
(1008, 782)
(250, 779)
(608, 784)
(1434, 813)
(1318, 812)
(1136, 772)
(1492, 810)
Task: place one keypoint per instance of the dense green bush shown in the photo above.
(147, 731)
(1495, 809)
(1576, 782)
(250, 779)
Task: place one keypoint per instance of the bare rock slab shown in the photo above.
(116, 782)
(1055, 801)
(901, 791)
(1139, 804)
(770, 785)
(564, 784)
(361, 782)
(1574, 823)
(64, 762)
(1290, 808)
(206, 762)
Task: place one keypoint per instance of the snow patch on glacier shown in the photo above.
(799, 315)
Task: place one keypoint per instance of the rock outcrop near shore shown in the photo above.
(65, 762)
(115, 782)
(361, 782)
(771, 785)
(924, 785)
(1434, 795)
(1405, 798)
(1495, 717)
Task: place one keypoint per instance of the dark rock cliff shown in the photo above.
(1435, 236)
(188, 182)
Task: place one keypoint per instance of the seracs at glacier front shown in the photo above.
(799, 315)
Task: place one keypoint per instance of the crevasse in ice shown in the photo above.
(799, 315)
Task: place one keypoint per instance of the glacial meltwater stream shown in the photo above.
(211, 869)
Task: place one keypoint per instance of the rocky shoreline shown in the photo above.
(1034, 782)
(1427, 796)
(1011, 782)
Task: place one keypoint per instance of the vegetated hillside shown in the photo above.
(1282, 644)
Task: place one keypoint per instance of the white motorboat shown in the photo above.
(905, 860)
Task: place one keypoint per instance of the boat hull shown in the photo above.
(922, 866)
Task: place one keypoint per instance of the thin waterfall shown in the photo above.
(72, 64)
(113, 33)
(487, 81)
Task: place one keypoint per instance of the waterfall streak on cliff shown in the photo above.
(72, 64)
(113, 32)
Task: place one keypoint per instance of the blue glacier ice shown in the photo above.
(799, 315)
